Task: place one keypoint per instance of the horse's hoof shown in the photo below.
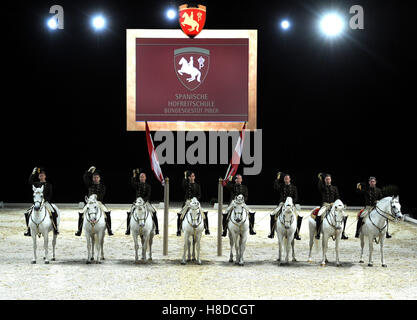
(327, 261)
(370, 264)
(384, 265)
(53, 259)
(183, 263)
(33, 262)
(44, 258)
(92, 259)
(46, 262)
(193, 259)
(88, 262)
(230, 260)
(98, 262)
(199, 262)
(241, 264)
(294, 260)
(150, 259)
(360, 261)
(338, 264)
(102, 258)
(323, 264)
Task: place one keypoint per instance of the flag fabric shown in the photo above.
(235, 160)
(153, 157)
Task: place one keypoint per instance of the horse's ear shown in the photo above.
(33, 188)
(41, 189)
(86, 199)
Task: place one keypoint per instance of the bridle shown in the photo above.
(41, 206)
(88, 213)
(198, 219)
(234, 213)
(385, 215)
(143, 207)
(333, 213)
(282, 219)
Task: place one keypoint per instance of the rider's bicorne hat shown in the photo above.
(97, 172)
(371, 178)
(41, 170)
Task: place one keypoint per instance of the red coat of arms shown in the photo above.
(192, 19)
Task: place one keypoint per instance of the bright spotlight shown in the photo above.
(285, 24)
(171, 14)
(332, 24)
(98, 22)
(52, 24)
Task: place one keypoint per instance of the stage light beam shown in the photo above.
(285, 24)
(52, 24)
(98, 22)
(331, 24)
(171, 14)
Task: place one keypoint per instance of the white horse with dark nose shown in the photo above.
(375, 225)
(141, 224)
(238, 227)
(331, 227)
(286, 225)
(193, 226)
(40, 223)
(94, 227)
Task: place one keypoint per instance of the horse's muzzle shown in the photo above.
(37, 206)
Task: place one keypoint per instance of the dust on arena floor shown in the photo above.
(69, 277)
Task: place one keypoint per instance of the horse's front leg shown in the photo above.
(198, 244)
(280, 239)
(53, 246)
(237, 249)
(324, 245)
(45, 246)
(362, 237)
(34, 245)
(371, 249)
(193, 238)
(311, 233)
(243, 239)
(338, 264)
(145, 239)
(93, 243)
(88, 237)
(381, 240)
(293, 251)
(287, 249)
(100, 236)
(150, 246)
(231, 247)
(135, 240)
(185, 247)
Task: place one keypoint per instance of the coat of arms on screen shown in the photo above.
(192, 20)
(191, 66)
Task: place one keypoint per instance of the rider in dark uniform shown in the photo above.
(283, 186)
(38, 179)
(235, 188)
(372, 194)
(329, 194)
(191, 189)
(143, 190)
(92, 180)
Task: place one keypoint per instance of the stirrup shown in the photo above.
(271, 236)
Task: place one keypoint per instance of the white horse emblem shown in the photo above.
(188, 67)
(189, 21)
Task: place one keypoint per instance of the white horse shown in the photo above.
(330, 227)
(94, 227)
(189, 69)
(238, 227)
(286, 225)
(192, 225)
(189, 21)
(141, 224)
(40, 223)
(375, 224)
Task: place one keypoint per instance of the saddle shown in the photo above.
(315, 213)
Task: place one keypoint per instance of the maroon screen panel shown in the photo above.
(192, 79)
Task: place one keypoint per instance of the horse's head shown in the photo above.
(140, 211)
(182, 61)
(288, 210)
(92, 208)
(238, 208)
(194, 212)
(37, 197)
(396, 208)
(339, 213)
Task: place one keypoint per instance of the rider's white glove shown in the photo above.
(34, 170)
(92, 169)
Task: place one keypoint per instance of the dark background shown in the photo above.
(343, 107)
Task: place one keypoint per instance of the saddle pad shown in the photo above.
(360, 212)
(315, 212)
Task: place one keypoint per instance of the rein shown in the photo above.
(235, 223)
(332, 212)
(384, 215)
(136, 218)
(89, 221)
(281, 217)
(198, 218)
(40, 208)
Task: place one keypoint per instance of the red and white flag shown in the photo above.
(235, 160)
(153, 157)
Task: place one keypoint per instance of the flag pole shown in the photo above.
(219, 217)
(166, 209)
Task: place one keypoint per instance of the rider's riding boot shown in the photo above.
(54, 220)
(297, 231)
(128, 224)
(344, 236)
(179, 225)
(318, 224)
(224, 225)
(27, 233)
(272, 227)
(80, 224)
(155, 220)
(388, 235)
(108, 223)
(206, 225)
(358, 226)
(251, 222)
